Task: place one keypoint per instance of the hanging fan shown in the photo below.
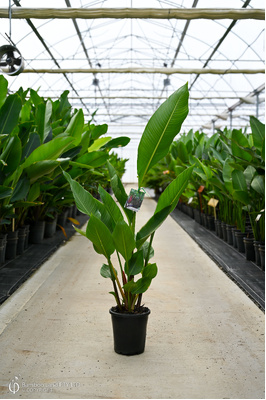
(11, 61)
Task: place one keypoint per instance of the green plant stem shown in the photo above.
(117, 296)
(117, 281)
(120, 264)
(149, 249)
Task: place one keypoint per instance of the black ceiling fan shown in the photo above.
(11, 61)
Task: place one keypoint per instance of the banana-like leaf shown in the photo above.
(239, 181)
(171, 194)
(258, 184)
(135, 263)
(239, 142)
(151, 225)
(119, 191)
(121, 141)
(100, 236)
(32, 144)
(12, 154)
(85, 202)
(9, 113)
(3, 89)
(123, 239)
(5, 192)
(111, 206)
(160, 131)
(40, 169)
(21, 189)
(76, 127)
(106, 272)
(241, 196)
(98, 143)
(43, 115)
(258, 132)
(48, 151)
(93, 159)
(150, 271)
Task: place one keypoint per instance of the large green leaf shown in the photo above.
(258, 184)
(100, 236)
(171, 194)
(9, 114)
(93, 159)
(119, 191)
(135, 263)
(85, 202)
(76, 127)
(258, 132)
(11, 155)
(5, 192)
(124, 239)
(43, 115)
(121, 141)
(21, 189)
(111, 206)
(40, 169)
(48, 151)
(3, 89)
(239, 181)
(151, 225)
(32, 144)
(98, 143)
(239, 143)
(160, 131)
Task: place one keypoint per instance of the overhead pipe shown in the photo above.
(143, 13)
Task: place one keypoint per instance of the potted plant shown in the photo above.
(111, 228)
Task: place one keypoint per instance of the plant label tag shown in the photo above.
(213, 202)
(135, 199)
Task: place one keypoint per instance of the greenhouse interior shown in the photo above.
(132, 198)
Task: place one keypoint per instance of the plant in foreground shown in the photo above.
(111, 228)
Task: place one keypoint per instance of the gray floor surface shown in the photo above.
(205, 336)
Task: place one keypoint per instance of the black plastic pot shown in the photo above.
(211, 225)
(262, 256)
(3, 240)
(11, 245)
(197, 215)
(50, 227)
(249, 248)
(234, 231)
(37, 232)
(21, 240)
(229, 234)
(129, 331)
(27, 230)
(257, 253)
(240, 241)
(219, 231)
(62, 218)
(224, 230)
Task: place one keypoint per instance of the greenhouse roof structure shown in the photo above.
(123, 58)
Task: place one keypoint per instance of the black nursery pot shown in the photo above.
(249, 248)
(129, 331)
(37, 232)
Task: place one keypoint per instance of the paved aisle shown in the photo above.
(205, 336)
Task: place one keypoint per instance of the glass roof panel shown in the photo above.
(125, 101)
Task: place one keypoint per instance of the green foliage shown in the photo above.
(112, 228)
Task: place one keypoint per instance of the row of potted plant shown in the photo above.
(39, 139)
(229, 172)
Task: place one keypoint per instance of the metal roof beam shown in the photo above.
(165, 71)
(153, 13)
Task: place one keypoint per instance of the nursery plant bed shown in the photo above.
(14, 272)
(248, 276)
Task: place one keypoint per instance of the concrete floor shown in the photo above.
(205, 337)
